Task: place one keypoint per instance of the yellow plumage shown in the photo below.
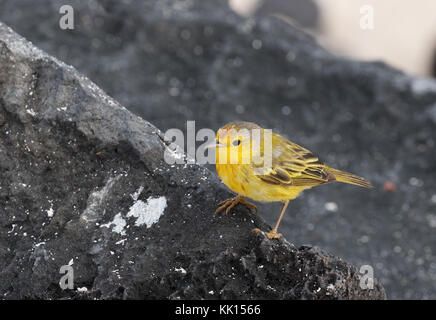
(292, 168)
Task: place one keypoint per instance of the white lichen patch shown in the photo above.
(149, 212)
(137, 193)
(181, 270)
(50, 211)
(118, 224)
(330, 289)
(122, 241)
(96, 200)
(31, 112)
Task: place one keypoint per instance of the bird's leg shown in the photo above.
(230, 203)
(273, 234)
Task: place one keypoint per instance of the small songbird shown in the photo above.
(242, 165)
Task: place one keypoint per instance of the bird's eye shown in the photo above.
(236, 142)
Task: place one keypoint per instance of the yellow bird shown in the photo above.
(242, 151)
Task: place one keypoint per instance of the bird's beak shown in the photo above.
(214, 144)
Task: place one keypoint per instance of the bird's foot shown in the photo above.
(230, 203)
(273, 235)
(270, 235)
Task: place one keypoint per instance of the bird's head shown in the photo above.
(235, 142)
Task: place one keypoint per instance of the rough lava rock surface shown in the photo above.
(83, 182)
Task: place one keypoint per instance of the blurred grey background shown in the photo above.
(271, 62)
(403, 33)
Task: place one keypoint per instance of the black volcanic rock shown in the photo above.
(170, 61)
(83, 183)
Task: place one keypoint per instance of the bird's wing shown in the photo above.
(294, 165)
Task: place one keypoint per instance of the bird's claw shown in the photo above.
(273, 235)
(230, 203)
(270, 235)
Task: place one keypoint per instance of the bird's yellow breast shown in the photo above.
(242, 180)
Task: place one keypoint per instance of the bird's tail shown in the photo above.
(347, 177)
